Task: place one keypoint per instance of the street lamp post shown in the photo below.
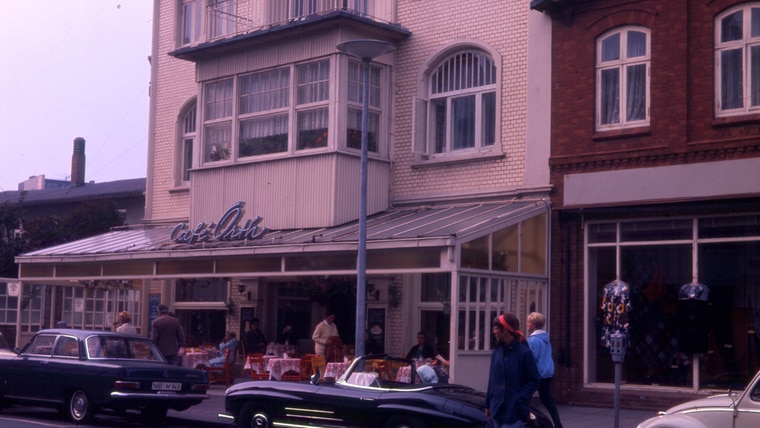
(366, 50)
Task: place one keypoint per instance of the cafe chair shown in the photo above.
(225, 373)
(258, 367)
(318, 366)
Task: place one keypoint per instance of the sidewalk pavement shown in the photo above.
(205, 414)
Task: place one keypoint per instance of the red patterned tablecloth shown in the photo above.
(335, 370)
(278, 366)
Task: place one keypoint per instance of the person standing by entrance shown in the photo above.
(323, 333)
(539, 344)
(513, 377)
(168, 335)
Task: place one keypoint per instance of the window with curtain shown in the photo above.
(312, 96)
(217, 128)
(622, 75)
(355, 101)
(459, 115)
(223, 17)
(186, 146)
(263, 109)
(192, 17)
(737, 59)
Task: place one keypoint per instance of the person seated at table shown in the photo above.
(230, 342)
(421, 349)
(427, 374)
(254, 340)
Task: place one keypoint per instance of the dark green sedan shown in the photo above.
(83, 372)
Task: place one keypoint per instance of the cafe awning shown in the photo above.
(397, 239)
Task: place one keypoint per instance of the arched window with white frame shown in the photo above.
(737, 60)
(622, 78)
(187, 142)
(459, 114)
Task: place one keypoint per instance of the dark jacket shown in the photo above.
(512, 382)
(168, 335)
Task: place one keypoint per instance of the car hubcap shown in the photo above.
(260, 421)
(78, 405)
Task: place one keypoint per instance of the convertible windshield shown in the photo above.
(122, 348)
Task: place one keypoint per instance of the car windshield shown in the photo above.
(121, 347)
(384, 372)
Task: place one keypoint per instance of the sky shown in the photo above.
(74, 68)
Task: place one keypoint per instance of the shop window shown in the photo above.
(657, 259)
(201, 290)
(521, 247)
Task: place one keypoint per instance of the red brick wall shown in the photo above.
(683, 129)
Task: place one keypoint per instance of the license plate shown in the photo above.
(167, 386)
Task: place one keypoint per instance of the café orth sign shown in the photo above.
(227, 228)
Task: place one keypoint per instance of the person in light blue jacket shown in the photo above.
(539, 344)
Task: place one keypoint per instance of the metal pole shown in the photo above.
(618, 376)
(361, 262)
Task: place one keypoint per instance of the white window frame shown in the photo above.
(745, 45)
(622, 65)
(191, 26)
(218, 152)
(188, 132)
(424, 114)
(354, 102)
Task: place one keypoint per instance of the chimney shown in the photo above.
(77, 163)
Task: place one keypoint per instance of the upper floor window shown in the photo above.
(192, 18)
(355, 101)
(737, 59)
(186, 145)
(223, 17)
(459, 115)
(622, 78)
(288, 109)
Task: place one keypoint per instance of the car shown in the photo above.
(730, 410)
(375, 391)
(84, 372)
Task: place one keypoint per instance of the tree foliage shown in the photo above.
(88, 219)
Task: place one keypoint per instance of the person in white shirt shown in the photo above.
(323, 332)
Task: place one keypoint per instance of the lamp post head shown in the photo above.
(366, 49)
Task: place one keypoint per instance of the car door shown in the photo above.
(748, 409)
(31, 376)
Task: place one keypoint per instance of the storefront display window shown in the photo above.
(658, 258)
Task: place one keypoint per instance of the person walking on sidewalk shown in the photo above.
(513, 378)
(539, 344)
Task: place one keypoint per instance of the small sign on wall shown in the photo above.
(14, 288)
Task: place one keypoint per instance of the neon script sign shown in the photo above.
(227, 228)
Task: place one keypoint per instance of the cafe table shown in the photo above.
(278, 366)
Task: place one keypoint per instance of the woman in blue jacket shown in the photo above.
(539, 343)
(513, 378)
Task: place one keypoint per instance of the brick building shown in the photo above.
(655, 163)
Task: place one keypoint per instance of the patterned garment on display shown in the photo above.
(616, 304)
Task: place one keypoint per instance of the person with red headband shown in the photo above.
(514, 376)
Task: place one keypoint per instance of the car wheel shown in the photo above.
(251, 416)
(404, 421)
(80, 408)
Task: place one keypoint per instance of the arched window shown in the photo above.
(187, 140)
(459, 114)
(737, 60)
(622, 78)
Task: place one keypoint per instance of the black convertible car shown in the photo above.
(375, 391)
(82, 372)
